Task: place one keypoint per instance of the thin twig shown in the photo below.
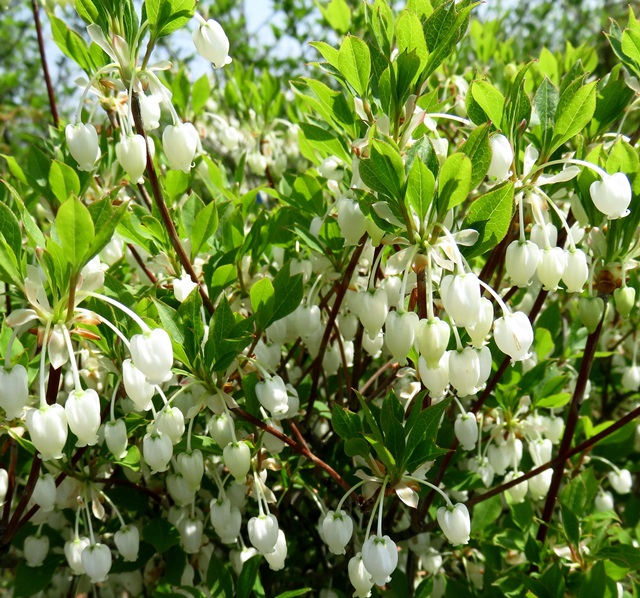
(45, 69)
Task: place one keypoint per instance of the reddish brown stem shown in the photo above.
(45, 69)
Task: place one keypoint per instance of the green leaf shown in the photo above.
(337, 14)
(546, 104)
(106, 217)
(200, 93)
(354, 62)
(490, 215)
(132, 459)
(63, 180)
(478, 149)
(167, 16)
(161, 534)
(294, 593)
(454, 182)
(595, 582)
(575, 109)
(490, 100)
(420, 189)
(219, 579)
(346, 424)
(324, 140)
(288, 292)
(410, 37)
(571, 526)
(485, 515)
(205, 225)
(424, 430)
(190, 315)
(248, 577)
(622, 555)
(631, 45)
(384, 170)
(262, 297)
(75, 229)
(30, 581)
(10, 230)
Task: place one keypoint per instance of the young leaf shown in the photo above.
(546, 103)
(575, 109)
(75, 230)
(478, 149)
(454, 182)
(490, 100)
(420, 188)
(262, 301)
(205, 225)
(354, 62)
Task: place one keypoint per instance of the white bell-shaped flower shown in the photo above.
(83, 415)
(135, 384)
(460, 294)
(612, 195)
(4, 484)
(14, 390)
(380, 558)
(630, 380)
(540, 451)
(36, 549)
(157, 450)
(499, 458)
(513, 334)
(180, 143)
(181, 492)
(518, 492)
(486, 361)
(48, 430)
(150, 111)
(131, 152)
(73, 552)
(263, 532)
(604, 501)
(435, 379)
(271, 443)
(539, 484)
(432, 338)
(620, 480)
(466, 430)
(551, 264)
(544, 235)
(554, 427)
(226, 520)
(183, 286)
(484, 469)
(115, 435)
(373, 312)
(455, 523)
(127, 541)
(501, 157)
(96, 561)
(464, 370)
(221, 428)
(479, 331)
(191, 467)
(373, 346)
(191, 529)
(521, 262)
(400, 334)
(576, 271)
(277, 558)
(171, 423)
(57, 347)
(359, 577)
(152, 354)
(44, 493)
(211, 42)
(306, 319)
(237, 458)
(351, 220)
(337, 528)
(82, 141)
(625, 300)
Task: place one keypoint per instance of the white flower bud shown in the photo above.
(576, 271)
(359, 577)
(83, 415)
(373, 311)
(380, 558)
(539, 484)
(44, 493)
(435, 379)
(464, 370)
(221, 428)
(212, 42)
(400, 334)
(501, 157)
(14, 390)
(479, 331)
(337, 528)
(73, 552)
(57, 347)
(36, 549)
(237, 458)
(180, 142)
(604, 501)
(625, 299)
(263, 532)
(152, 354)
(460, 295)
(484, 469)
(351, 220)
(150, 110)
(226, 520)
(373, 345)
(277, 558)
(540, 451)
(171, 423)
(432, 338)
(182, 287)
(551, 265)
(191, 534)
(554, 429)
(135, 384)
(521, 262)
(115, 435)
(48, 430)
(273, 396)
(271, 443)
(466, 430)
(519, 491)
(620, 480)
(127, 541)
(612, 195)
(431, 561)
(82, 141)
(131, 152)
(455, 523)
(191, 467)
(513, 334)
(631, 378)
(181, 492)
(96, 561)
(157, 450)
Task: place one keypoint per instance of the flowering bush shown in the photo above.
(374, 327)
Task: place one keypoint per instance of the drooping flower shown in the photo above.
(212, 42)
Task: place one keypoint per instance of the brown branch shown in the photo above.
(45, 69)
(136, 256)
(164, 210)
(11, 482)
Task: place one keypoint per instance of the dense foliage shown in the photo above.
(363, 325)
